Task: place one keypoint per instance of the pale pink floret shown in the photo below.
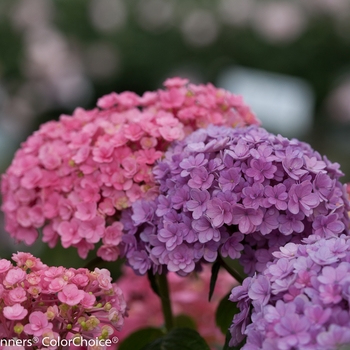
(4, 265)
(86, 211)
(108, 253)
(23, 216)
(92, 230)
(31, 178)
(17, 295)
(15, 312)
(27, 260)
(52, 312)
(113, 234)
(71, 295)
(14, 276)
(81, 280)
(38, 323)
(57, 284)
(83, 248)
(68, 230)
(104, 278)
(27, 235)
(88, 301)
(115, 318)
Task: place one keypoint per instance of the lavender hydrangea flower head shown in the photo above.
(224, 191)
(300, 301)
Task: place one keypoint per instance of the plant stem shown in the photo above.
(165, 299)
(233, 272)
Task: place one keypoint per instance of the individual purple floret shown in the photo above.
(239, 192)
(299, 301)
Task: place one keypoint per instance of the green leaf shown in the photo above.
(225, 312)
(153, 282)
(236, 265)
(214, 276)
(140, 338)
(184, 321)
(179, 339)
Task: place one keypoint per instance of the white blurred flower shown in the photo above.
(236, 12)
(33, 13)
(338, 102)
(50, 61)
(107, 15)
(155, 14)
(279, 21)
(335, 8)
(200, 28)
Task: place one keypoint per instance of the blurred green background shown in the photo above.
(56, 55)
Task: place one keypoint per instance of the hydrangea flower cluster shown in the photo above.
(51, 302)
(224, 189)
(300, 301)
(72, 177)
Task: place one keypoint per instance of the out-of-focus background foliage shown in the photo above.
(291, 59)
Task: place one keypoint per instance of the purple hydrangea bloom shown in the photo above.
(336, 337)
(198, 202)
(253, 195)
(171, 236)
(312, 312)
(232, 246)
(144, 211)
(260, 290)
(277, 196)
(261, 169)
(229, 179)
(241, 193)
(302, 199)
(181, 260)
(219, 212)
(327, 226)
(205, 231)
(192, 162)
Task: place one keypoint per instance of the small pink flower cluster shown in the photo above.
(52, 303)
(74, 176)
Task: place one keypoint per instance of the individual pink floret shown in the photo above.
(71, 295)
(73, 177)
(15, 312)
(38, 323)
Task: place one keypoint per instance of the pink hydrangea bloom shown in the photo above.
(72, 177)
(54, 302)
